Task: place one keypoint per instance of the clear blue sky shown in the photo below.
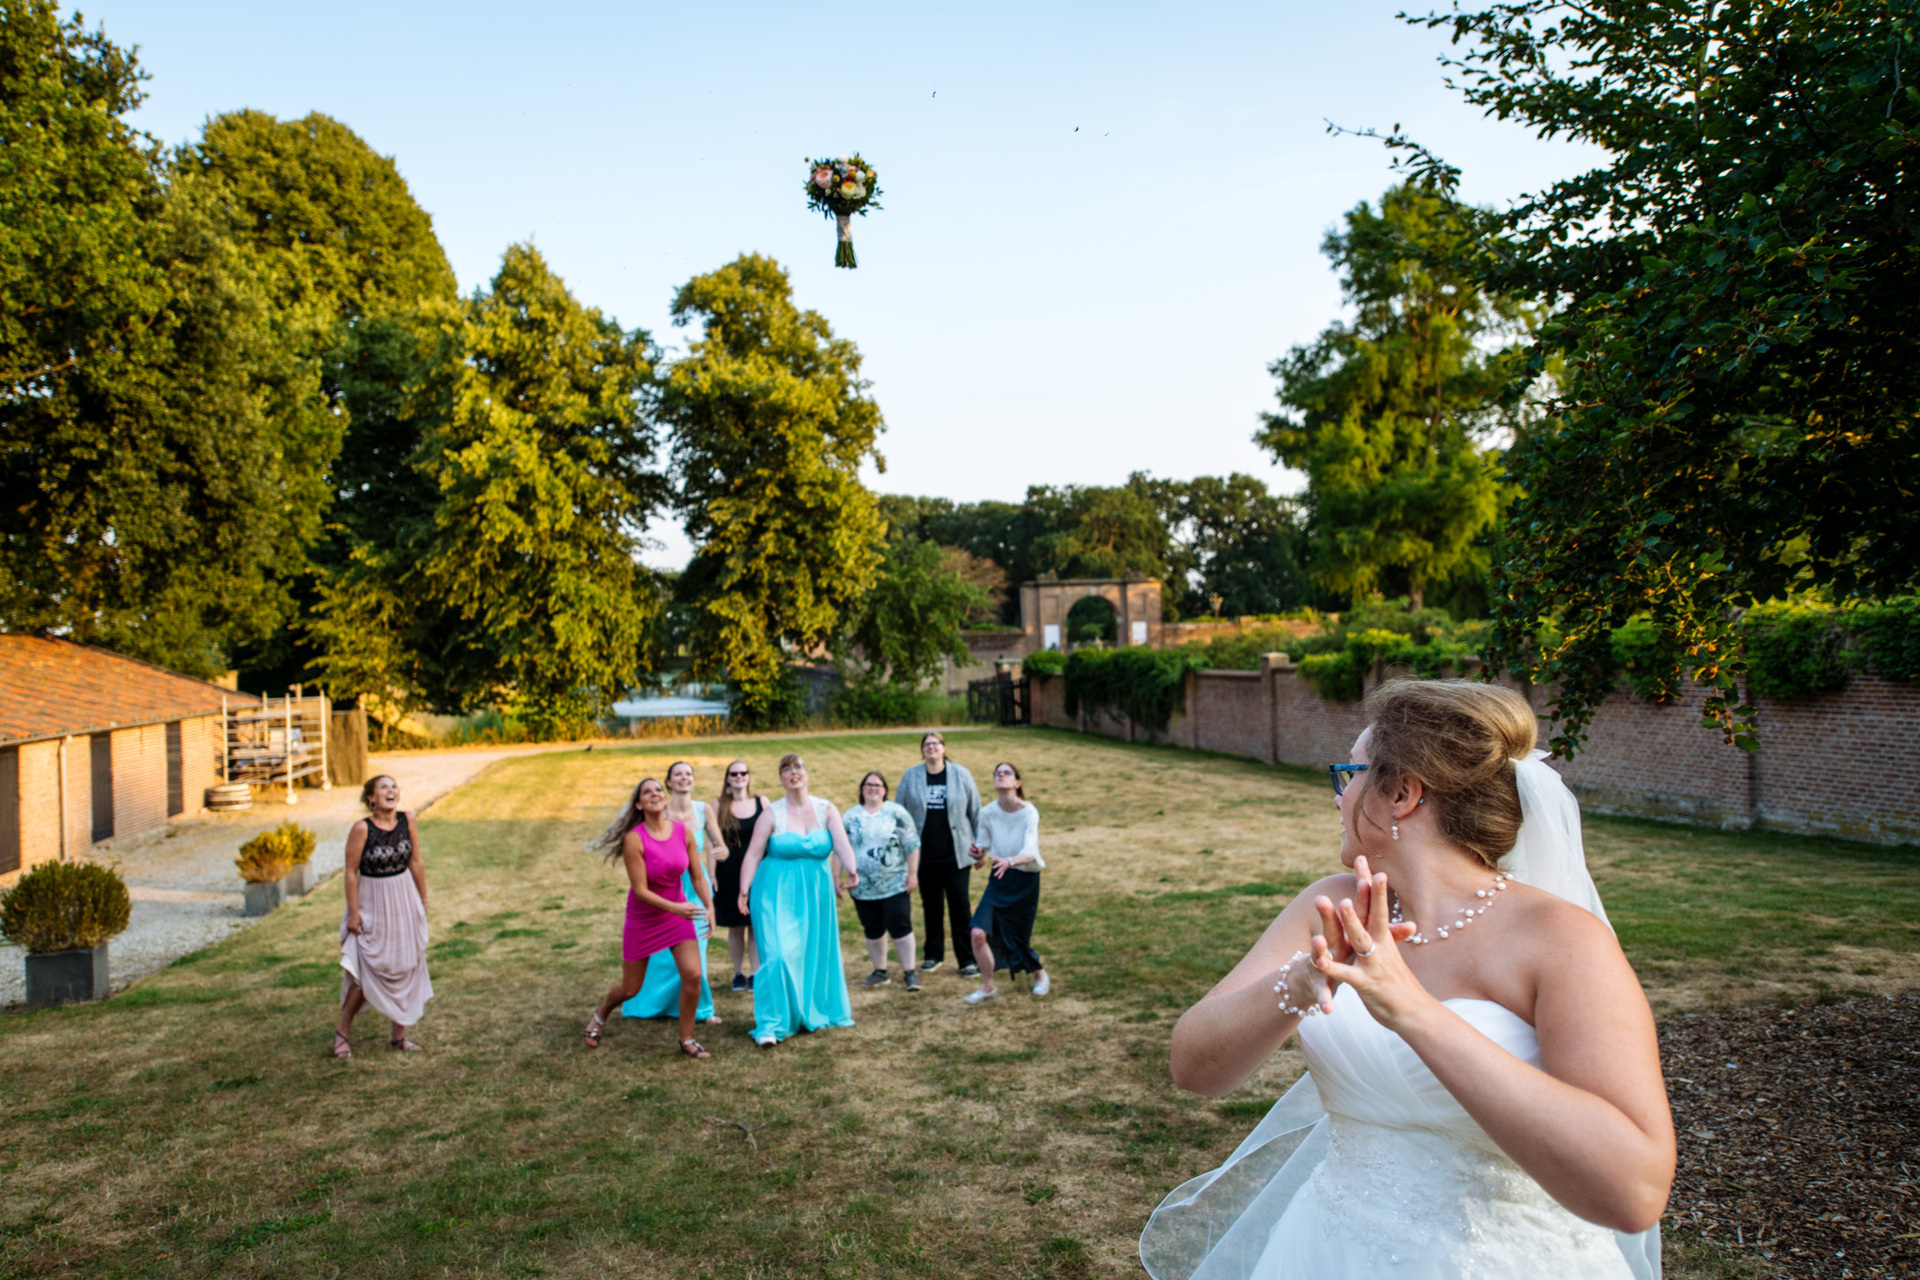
(1102, 220)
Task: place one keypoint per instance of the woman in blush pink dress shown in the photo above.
(657, 852)
(383, 931)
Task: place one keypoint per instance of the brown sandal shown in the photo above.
(594, 1028)
(342, 1047)
(403, 1045)
(693, 1050)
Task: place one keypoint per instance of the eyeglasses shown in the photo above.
(736, 773)
(1343, 776)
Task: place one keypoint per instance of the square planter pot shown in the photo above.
(65, 977)
(299, 880)
(262, 898)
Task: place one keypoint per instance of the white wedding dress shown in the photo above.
(1369, 1167)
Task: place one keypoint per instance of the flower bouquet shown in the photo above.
(840, 189)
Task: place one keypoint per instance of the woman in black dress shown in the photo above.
(737, 809)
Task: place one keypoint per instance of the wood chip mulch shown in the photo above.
(1800, 1134)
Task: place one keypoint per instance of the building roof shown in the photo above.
(51, 688)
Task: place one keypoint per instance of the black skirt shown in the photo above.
(726, 876)
(1005, 914)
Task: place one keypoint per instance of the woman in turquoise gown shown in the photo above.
(660, 994)
(788, 885)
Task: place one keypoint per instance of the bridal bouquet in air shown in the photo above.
(840, 189)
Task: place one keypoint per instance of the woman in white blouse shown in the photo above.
(1009, 838)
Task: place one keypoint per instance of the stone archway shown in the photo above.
(1044, 605)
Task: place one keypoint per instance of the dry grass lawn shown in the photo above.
(194, 1126)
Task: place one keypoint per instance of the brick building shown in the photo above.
(94, 745)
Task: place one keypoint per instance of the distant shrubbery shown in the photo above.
(1794, 649)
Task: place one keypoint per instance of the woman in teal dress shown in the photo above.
(660, 993)
(788, 886)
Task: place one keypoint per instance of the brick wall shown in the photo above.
(139, 786)
(1844, 763)
(1309, 730)
(1227, 712)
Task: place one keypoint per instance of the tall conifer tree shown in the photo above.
(1389, 415)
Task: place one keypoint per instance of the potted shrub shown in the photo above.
(297, 843)
(63, 913)
(263, 864)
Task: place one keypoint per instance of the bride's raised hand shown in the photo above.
(1368, 956)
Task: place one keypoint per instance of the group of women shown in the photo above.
(1484, 1094)
(769, 873)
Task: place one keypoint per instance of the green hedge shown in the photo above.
(1144, 684)
(1048, 662)
(1794, 649)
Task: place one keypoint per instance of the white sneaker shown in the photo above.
(1042, 985)
(978, 997)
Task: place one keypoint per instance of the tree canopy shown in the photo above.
(140, 471)
(537, 451)
(1390, 415)
(771, 424)
(1732, 293)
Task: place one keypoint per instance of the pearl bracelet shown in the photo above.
(1281, 986)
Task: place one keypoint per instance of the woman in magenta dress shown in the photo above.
(657, 852)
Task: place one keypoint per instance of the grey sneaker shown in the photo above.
(913, 980)
(878, 978)
(970, 971)
(928, 966)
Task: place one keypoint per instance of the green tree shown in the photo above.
(522, 580)
(1734, 295)
(1232, 541)
(771, 423)
(342, 233)
(344, 246)
(139, 473)
(913, 615)
(1096, 532)
(1390, 416)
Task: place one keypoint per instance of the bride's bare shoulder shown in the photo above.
(1555, 929)
(1341, 884)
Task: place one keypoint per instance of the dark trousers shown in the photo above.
(947, 886)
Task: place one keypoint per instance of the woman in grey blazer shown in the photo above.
(940, 796)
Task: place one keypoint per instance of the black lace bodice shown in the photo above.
(387, 853)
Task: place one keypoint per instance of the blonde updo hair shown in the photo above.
(1460, 739)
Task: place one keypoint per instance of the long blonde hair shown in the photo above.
(614, 836)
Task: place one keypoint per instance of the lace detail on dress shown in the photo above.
(387, 853)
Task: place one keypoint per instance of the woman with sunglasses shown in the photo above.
(788, 888)
(886, 849)
(1484, 1094)
(660, 992)
(736, 814)
(1003, 922)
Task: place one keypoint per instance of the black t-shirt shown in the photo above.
(936, 837)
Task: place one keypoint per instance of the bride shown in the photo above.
(1484, 1094)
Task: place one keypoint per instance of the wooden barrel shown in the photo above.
(229, 797)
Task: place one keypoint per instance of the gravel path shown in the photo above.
(186, 893)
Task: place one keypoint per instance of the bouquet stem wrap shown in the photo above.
(841, 188)
(843, 252)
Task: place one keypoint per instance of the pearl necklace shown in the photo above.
(1466, 915)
